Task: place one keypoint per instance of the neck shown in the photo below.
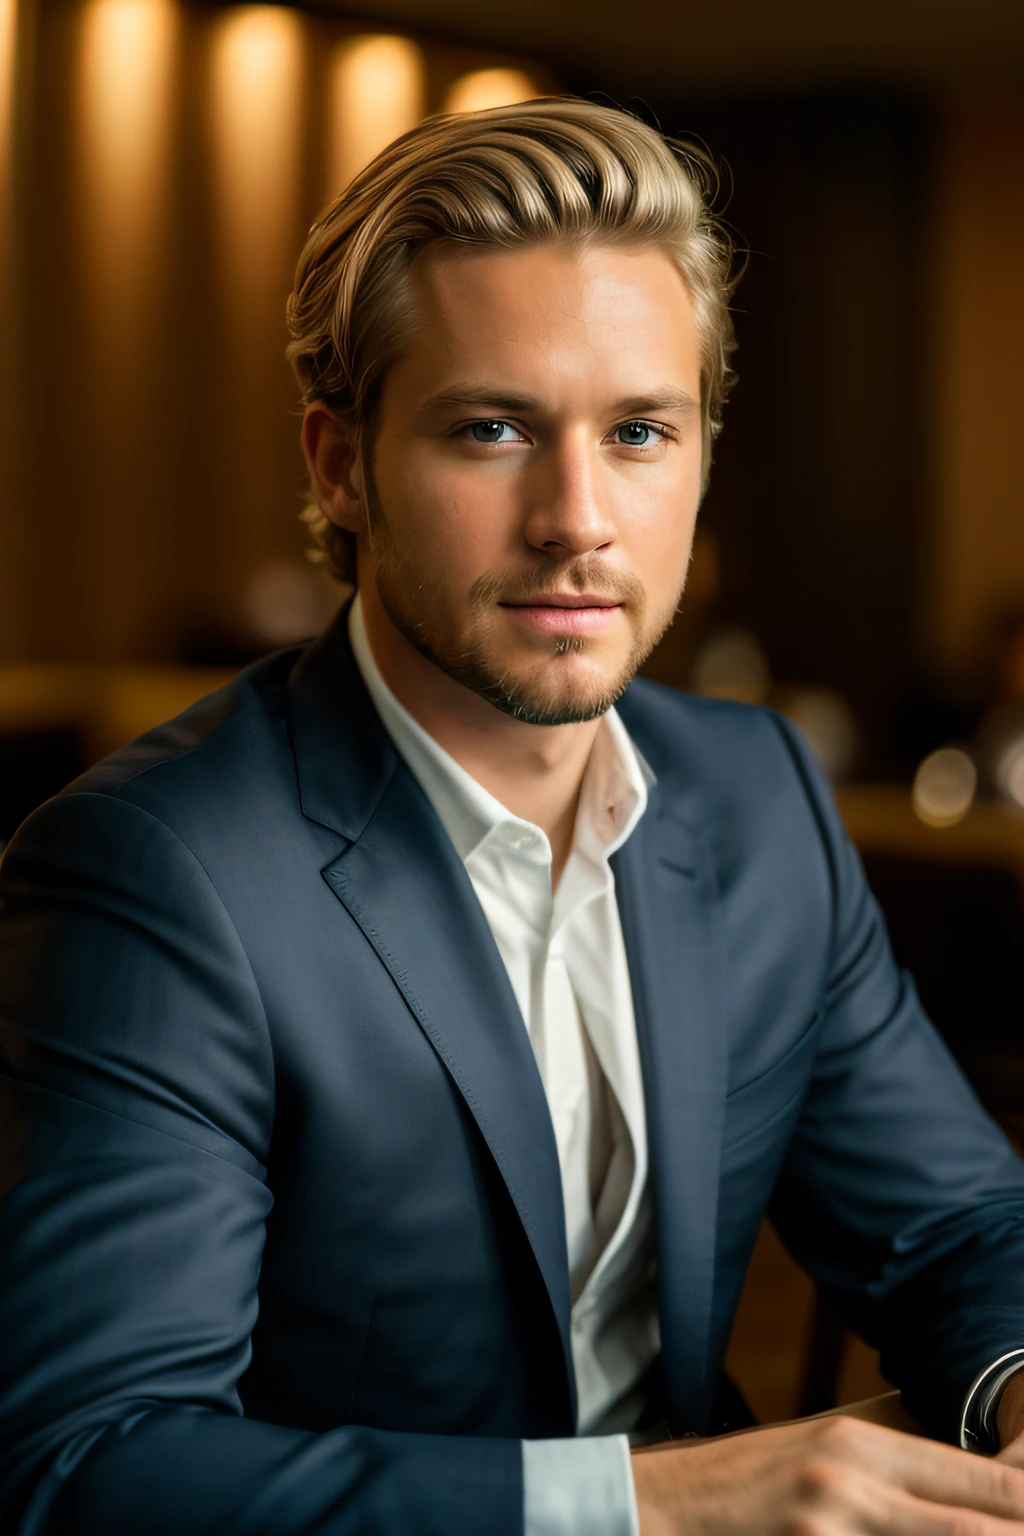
(534, 770)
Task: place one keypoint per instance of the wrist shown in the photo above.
(648, 1469)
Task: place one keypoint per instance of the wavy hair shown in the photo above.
(558, 168)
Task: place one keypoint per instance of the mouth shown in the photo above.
(566, 613)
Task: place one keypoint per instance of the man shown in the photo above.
(405, 1044)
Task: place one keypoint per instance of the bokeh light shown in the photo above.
(489, 88)
(127, 66)
(827, 724)
(377, 92)
(256, 82)
(287, 600)
(944, 787)
(8, 45)
(1009, 772)
(731, 665)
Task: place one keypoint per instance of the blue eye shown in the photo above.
(636, 434)
(491, 431)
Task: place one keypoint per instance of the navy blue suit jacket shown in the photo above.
(282, 1245)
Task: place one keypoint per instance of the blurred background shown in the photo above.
(860, 561)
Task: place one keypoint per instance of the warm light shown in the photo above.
(826, 722)
(1015, 780)
(944, 787)
(489, 88)
(126, 82)
(8, 43)
(377, 93)
(1009, 772)
(731, 665)
(256, 95)
(287, 600)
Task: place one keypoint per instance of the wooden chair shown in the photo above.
(953, 899)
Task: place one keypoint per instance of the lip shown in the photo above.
(566, 613)
(566, 600)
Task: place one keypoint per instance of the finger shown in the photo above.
(903, 1515)
(871, 1508)
(933, 1473)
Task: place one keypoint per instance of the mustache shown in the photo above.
(585, 574)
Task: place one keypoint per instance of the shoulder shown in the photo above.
(232, 724)
(712, 742)
(206, 775)
(741, 773)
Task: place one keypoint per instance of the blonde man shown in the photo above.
(405, 1044)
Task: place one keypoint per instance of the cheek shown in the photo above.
(455, 521)
(660, 534)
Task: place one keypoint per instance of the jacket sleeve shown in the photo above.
(135, 1119)
(899, 1194)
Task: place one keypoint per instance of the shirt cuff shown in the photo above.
(579, 1487)
(979, 1429)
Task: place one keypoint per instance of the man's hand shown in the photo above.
(826, 1477)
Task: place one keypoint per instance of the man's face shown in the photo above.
(536, 472)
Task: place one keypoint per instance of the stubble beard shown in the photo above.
(541, 695)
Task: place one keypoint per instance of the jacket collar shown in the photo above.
(344, 758)
(401, 881)
(669, 903)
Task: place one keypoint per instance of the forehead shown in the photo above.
(558, 312)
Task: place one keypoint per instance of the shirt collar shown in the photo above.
(612, 799)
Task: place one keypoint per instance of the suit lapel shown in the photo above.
(402, 882)
(667, 896)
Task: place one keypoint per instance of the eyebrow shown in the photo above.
(483, 395)
(667, 399)
(498, 398)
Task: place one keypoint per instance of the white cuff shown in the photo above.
(979, 1431)
(579, 1487)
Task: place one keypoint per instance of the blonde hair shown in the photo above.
(553, 169)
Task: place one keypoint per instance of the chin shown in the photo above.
(582, 692)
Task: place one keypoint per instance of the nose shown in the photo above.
(570, 512)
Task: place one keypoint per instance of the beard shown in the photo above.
(547, 690)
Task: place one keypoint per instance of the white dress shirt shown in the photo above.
(566, 960)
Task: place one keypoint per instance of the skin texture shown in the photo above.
(549, 354)
(564, 347)
(827, 1477)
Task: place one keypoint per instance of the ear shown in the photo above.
(331, 446)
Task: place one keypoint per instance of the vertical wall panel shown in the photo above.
(814, 498)
(376, 93)
(127, 77)
(976, 382)
(10, 531)
(8, 44)
(257, 82)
